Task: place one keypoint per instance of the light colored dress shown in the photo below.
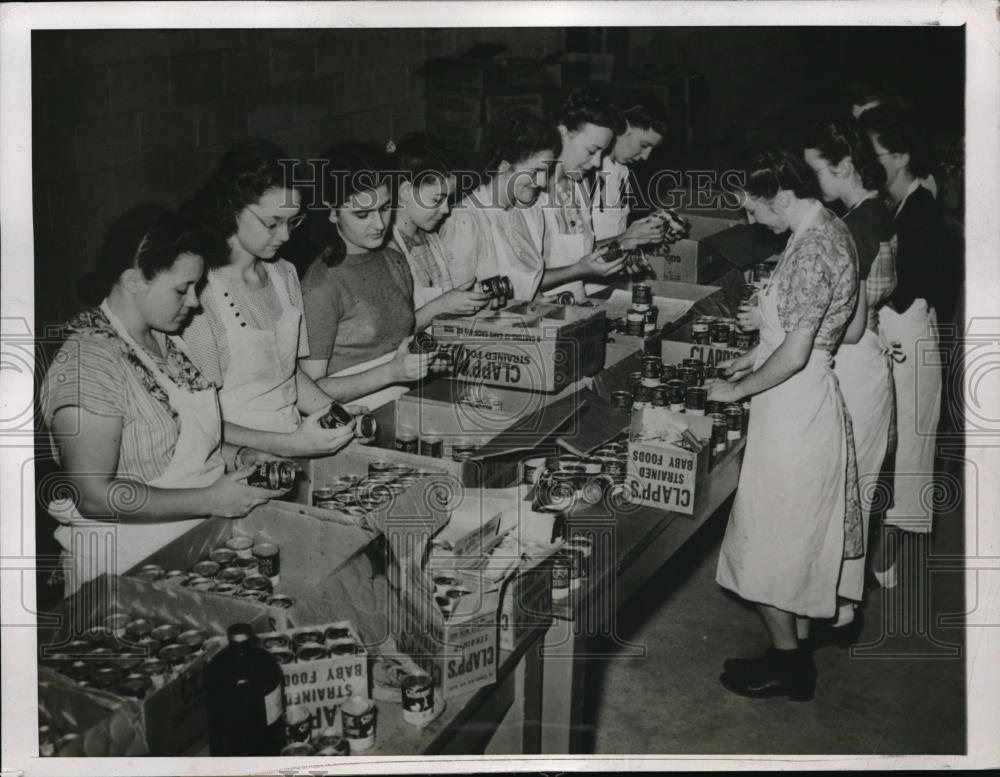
(796, 514)
(569, 231)
(430, 265)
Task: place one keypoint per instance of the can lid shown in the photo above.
(239, 632)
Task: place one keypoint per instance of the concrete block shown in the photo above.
(319, 99)
(293, 62)
(168, 130)
(390, 85)
(373, 125)
(222, 120)
(136, 86)
(82, 202)
(269, 110)
(53, 153)
(197, 77)
(107, 142)
(335, 52)
(151, 181)
(408, 117)
(246, 69)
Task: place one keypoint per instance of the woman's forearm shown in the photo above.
(310, 396)
(556, 276)
(788, 359)
(349, 387)
(133, 502)
(278, 443)
(425, 315)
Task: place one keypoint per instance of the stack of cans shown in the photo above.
(311, 643)
(126, 655)
(564, 481)
(724, 332)
(241, 568)
(449, 590)
(328, 742)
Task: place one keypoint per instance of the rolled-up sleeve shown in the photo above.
(86, 373)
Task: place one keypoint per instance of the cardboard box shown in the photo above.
(663, 475)
(322, 685)
(531, 346)
(677, 346)
(312, 552)
(525, 603)
(170, 719)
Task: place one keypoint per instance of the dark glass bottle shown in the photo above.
(246, 700)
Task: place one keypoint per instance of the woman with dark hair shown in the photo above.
(250, 334)
(645, 128)
(925, 284)
(358, 292)
(847, 170)
(796, 514)
(423, 183)
(133, 423)
(494, 230)
(587, 124)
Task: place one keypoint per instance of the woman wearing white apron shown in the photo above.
(250, 334)
(358, 294)
(587, 125)
(133, 423)
(796, 514)
(495, 230)
(926, 281)
(847, 170)
(423, 187)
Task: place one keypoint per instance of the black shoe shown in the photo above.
(792, 673)
(742, 666)
(824, 633)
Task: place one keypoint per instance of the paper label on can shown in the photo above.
(274, 705)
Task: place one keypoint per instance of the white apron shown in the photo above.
(424, 294)
(567, 249)
(259, 390)
(93, 546)
(785, 540)
(865, 375)
(609, 213)
(917, 380)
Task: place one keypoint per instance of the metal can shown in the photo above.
(226, 589)
(243, 546)
(192, 639)
(175, 654)
(734, 420)
(650, 320)
(206, 568)
(668, 372)
(642, 294)
(365, 428)
(593, 490)
(661, 396)
(105, 677)
(269, 641)
(380, 466)
(157, 670)
(634, 322)
(531, 470)
(280, 601)
(282, 655)
(46, 741)
(269, 558)
(165, 633)
(697, 365)
(462, 449)
(198, 583)
(297, 749)
(116, 623)
(302, 637)
(231, 576)
(336, 634)
(721, 333)
(224, 557)
(358, 717)
(560, 576)
(323, 498)
(273, 475)
(311, 651)
(621, 400)
(643, 396)
(651, 368)
(701, 330)
(254, 596)
(406, 442)
(676, 394)
(417, 694)
(336, 417)
(176, 577)
(344, 649)
(432, 446)
(329, 742)
(140, 627)
(719, 431)
(150, 573)
(615, 468)
(694, 401)
(298, 724)
(497, 286)
(134, 687)
(566, 298)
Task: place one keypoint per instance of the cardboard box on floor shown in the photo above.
(313, 551)
(533, 346)
(169, 720)
(663, 475)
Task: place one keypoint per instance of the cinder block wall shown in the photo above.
(125, 117)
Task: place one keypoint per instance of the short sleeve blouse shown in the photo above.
(816, 282)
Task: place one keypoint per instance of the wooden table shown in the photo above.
(633, 547)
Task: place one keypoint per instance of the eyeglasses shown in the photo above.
(291, 223)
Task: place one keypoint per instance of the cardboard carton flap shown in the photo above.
(531, 430)
(745, 245)
(599, 424)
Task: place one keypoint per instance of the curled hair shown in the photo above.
(836, 140)
(245, 173)
(772, 170)
(416, 157)
(646, 113)
(518, 136)
(147, 238)
(897, 132)
(346, 169)
(585, 106)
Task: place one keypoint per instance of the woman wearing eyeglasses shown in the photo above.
(250, 332)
